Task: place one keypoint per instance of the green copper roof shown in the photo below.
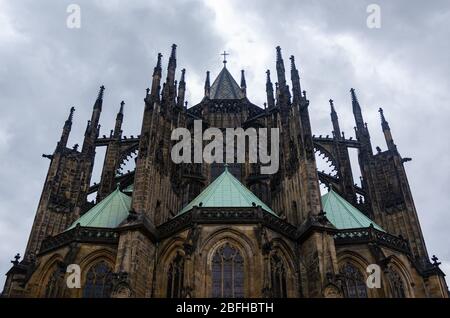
(108, 213)
(343, 215)
(130, 188)
(226, 191)
(225, 87)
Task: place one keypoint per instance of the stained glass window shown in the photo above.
(175, 277)
(53, 288)
(227, 273)
(98, 281)
(278, 277)
(354, 283)
(397, 287)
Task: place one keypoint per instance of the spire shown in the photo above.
(169, 90)
(158, 68)
(156, 82)
(296, 89)
(280, 69)
(387, 132)
(269, 91)
(119, 120)
(181, 90)
(362, 133)
(335, 121)
(97, 107)
(357, 111)
(70, 118)
(384, 123)
(243, 84)
(282, 92)
(99, 100)
(122, 103)
(207, 85)
(66, 130)
(173, 57)
(93, 128)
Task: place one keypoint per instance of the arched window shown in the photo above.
(98, 281)
(54, 284)
(227, 273)
(396, 283)
(278, 277)
(353, 282)
(175, 277)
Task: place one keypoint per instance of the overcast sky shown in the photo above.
(45, 68)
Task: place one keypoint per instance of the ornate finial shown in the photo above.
(174, 50)
(278, 53)
(147, 90)
(183, 71)
(207, 85)
(380, 110)
(268, 76)
(435, 260)
(72, 109)
(331, 103)
(226, 166)
(243, 82)
(207, 79)
(118, 186)
(384, 123)
(265, 105)
(354, 98)
(100, 93)
(122, 103)
(75, 147)
(186, 104)
(304, 94)
(16, 259)
(225, 58)
(292, 58)
(158, 63)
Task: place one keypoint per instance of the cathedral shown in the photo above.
(168, 230)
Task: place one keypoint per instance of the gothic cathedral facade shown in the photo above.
(216, 230)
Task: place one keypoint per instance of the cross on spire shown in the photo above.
(225, 58)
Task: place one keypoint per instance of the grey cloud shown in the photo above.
(46, 68)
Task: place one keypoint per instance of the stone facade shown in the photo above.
(157, 253)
